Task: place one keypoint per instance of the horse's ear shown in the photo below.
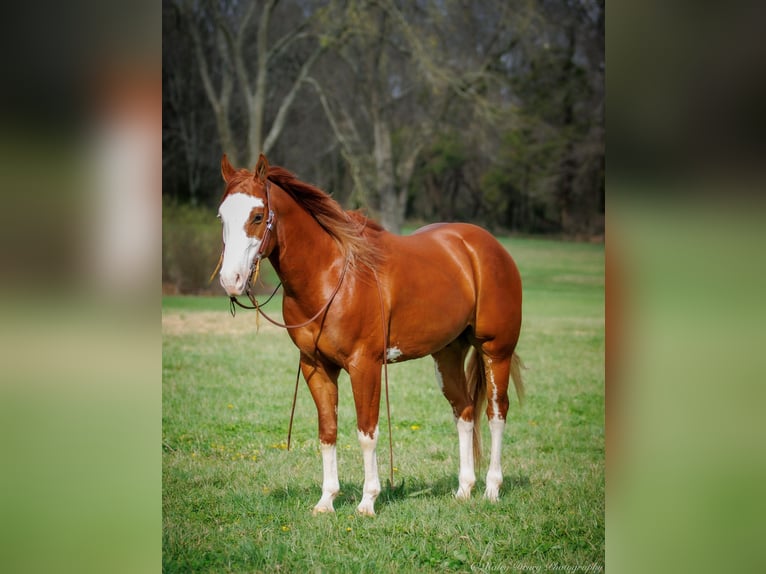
(261, 169)
(227, 170)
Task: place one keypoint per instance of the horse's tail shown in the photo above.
(477, 387)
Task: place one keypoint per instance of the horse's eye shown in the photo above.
(258, 218)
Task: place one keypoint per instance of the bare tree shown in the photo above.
(222, 37)
(401, 77)
(361, 104)
(370, 98)
(188, 134)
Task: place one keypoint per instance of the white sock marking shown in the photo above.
(495, 472)
(371, 487)
(330, 484)
(466, 475)
(491, 381)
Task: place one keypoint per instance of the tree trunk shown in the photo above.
(256, 104)
(223, 126)
(404, 170)
(568, 165)
(390, 212)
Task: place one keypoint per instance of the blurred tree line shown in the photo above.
(489, 111)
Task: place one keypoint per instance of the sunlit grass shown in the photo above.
(235, 500)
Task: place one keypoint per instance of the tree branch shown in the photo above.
(279, 120)
(347, 146)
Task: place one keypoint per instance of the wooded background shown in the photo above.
(488, 111)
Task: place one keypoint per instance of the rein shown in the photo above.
(385, 376)
(256, 271)
(257, 306)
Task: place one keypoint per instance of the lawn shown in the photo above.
(235, 500)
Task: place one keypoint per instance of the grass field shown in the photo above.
(235, 500)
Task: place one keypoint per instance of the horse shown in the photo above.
(357, 297)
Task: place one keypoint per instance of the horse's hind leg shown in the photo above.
(497, 372)
(450, 375)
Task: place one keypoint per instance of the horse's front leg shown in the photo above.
(323, 384)
(365, 382)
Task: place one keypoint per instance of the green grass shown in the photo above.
(234, 500)
(193, 303)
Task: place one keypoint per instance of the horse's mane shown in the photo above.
(350, 229)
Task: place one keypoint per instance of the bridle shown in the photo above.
(255, 265)
(257, 306)
(269, 225)
(255, 268)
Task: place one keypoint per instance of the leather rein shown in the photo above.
(255, 270)
(257, 306)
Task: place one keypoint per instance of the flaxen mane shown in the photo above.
(351, 230)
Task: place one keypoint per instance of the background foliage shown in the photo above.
(487, 111)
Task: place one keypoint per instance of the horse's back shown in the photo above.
(481, 247)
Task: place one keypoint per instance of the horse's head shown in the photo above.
(247, 223)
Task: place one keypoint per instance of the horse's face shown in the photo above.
(244, 215)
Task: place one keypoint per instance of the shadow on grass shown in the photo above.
(445, 487)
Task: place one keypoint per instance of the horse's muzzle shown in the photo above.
(233, 283)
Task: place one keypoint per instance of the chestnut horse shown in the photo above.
(356, 296)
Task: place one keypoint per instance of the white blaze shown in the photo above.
(239, 248)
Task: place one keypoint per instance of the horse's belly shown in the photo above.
(423, 334)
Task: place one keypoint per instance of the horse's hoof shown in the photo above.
(463, 494)
(494, 482)
(365, 510)
(492, 495)
(322, 510)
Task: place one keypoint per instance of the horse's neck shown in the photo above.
(305, 254)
